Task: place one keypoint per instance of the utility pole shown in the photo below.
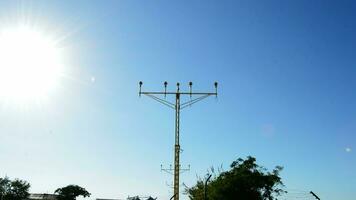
(206, 186)
(311, 192)
(178, 106)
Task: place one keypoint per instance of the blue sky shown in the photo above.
(286, 73)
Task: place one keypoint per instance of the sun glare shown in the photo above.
(29, 64)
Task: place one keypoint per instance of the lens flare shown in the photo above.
(29, 64)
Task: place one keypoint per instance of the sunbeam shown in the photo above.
(30, 64)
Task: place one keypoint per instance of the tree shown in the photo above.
(71, 192)
(13, 190)
(4, 186)
(245, 180)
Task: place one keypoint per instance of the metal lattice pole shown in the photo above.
(177, 148)
(177, 106)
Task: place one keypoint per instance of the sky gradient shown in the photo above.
(286, 73)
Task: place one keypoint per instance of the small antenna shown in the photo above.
(177, 87)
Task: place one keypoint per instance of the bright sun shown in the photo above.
(29, 64)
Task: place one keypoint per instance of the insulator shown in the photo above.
(190, 89)
(165, 89)
(140, 83)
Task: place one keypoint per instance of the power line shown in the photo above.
(293, 194)
(311, 192)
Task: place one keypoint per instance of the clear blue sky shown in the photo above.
(287, 74)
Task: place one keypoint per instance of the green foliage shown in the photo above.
(244, 181)
(13, 190)
(71, 192)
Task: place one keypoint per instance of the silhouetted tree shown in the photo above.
(13, 190)
(71, 192)
(4, 186)
(245, 180)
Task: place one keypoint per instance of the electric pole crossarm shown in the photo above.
(183, 93)
(167, 171)
(162, 101)
(189, 103)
